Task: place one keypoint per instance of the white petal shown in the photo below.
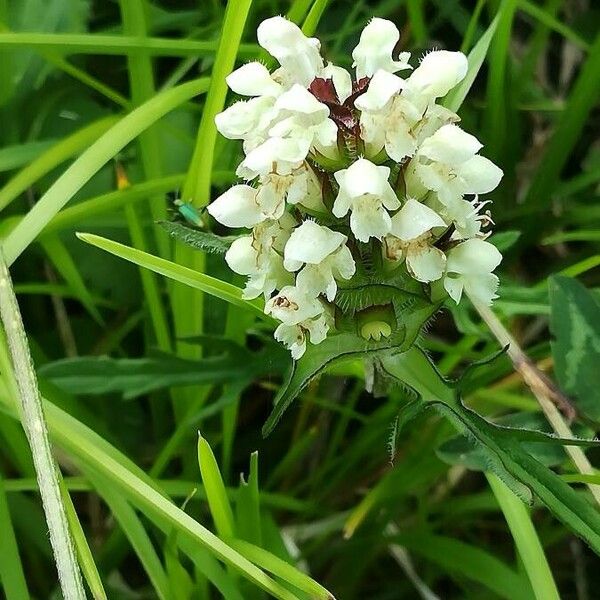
(438, 73)
(241, 256)
(414, 219)
(296, 53)
(374, 50)
(473, 257)
(300, 100)
(426, 264)
(399, 142)
(293, 338)
(480, 175)
(319, 327)
(382, 87)
(316, 280)
(363, 177)
(342, 80)
(450, 145)
(270, 200)
(284, 153)
(242, 118)
(237, 207)
(433, 176)
(342, 204)
(312, 243)
(253, 79)
(482, 288)
(369, 219)
(343, 263)
(454, 287)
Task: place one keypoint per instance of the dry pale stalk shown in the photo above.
(32, 418)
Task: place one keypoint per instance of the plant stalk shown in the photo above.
(33, 422)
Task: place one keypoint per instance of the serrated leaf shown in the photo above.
(575, 325)
(501, 452)
(200, 240)
(339, 347)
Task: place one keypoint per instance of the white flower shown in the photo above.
(469, 267)
(303, 117)
(253, 79)
(247, 120)
(297, 54)
(300, 186)
(366, 192)
(374, 50)
(293, 305)
(447, 163)
(238, 207)
(411, 237)
(275, 155)
(438, 73)
(324, 255)
(388, 118)
(259, 257)
(294, 336)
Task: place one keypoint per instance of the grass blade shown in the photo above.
(96, 156)
(526, 540)
(51, 158)
(218, 502)
(199, 281)
(11, 569)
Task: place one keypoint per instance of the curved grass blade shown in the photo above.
(54, 156)
(205, 283)
(92, 160)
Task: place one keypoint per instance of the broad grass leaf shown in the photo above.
(133, 377)
(575, 325)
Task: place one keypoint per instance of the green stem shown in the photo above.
(32, 418)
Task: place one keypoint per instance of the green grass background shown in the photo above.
(320, 508)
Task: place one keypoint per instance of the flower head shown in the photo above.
(353, 186)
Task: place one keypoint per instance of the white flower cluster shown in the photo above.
(333, 165)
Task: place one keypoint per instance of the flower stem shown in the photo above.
(25, 388)
(546, 393)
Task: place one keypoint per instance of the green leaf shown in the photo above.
(279, 567)
(11, 568)
(200, 281)
(575, 325)
(84, 553)
(200, 240)
(92, 160)
(505, 456)
(248, 505)
(133, 377)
